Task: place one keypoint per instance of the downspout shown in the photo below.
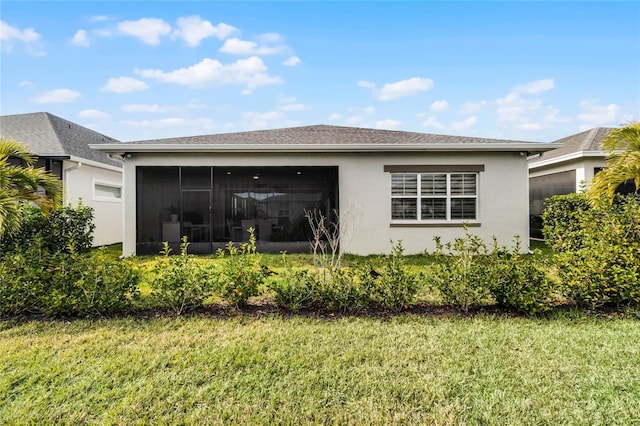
(64, 180)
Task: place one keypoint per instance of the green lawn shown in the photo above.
(569, 369)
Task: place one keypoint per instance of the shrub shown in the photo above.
(61, 229)
(241, 273)
(563, 218)
(295, 290)
(89, 285)
(520, 284)
(180, 282)
(344, 290)
(470, 274)
(462, 275)
(605, 269)
(33, 280)
(393, 287)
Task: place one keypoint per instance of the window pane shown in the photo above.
(108, 191)
(463, 184)
(404, 184)
(403, 208)
(434, 208)
(463, 208)
(434, 184)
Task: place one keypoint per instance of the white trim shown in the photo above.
(124, 148)
(448, 197)
(566, 157)
(95, 197)
(95, 164)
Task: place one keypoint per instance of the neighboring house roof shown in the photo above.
(583, 144)
(47, 135)
(323, 138)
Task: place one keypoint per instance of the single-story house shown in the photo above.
(386, 185)
(89, 176)
(566, 169)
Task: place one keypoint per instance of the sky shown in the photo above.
(534, 71)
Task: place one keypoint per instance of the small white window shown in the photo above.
(103, 190)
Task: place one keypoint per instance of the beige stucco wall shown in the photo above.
(79, 185)
(503, 193)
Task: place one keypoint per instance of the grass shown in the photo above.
(571, 369)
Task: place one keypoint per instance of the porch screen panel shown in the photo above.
(157, 204)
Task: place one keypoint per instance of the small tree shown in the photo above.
(23, 185)
(623, 162)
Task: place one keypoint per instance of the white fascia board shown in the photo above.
(567, 157)
(273, 148)
(95, 164)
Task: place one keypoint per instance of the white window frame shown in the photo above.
(448, 197)
(95, 197)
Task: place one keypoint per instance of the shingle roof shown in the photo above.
(590, 140)
(47, 135)
(323, 135)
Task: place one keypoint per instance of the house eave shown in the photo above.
(124, 148)
(565, 158)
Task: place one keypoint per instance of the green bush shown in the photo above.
(344, 290)
(64, 229)
(470, 274)
(563, 218)
(462, 274)
(393, 287)
(605, 269)
(34, 280)
(241, 273)
(295, 290)
(520, 284)
(180, 282)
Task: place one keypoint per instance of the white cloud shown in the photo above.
(353, 120)
(235, 46)
(81, 38)
(596, 115)
(57, 96)
(262, 120)
(388, 124)
(432, 122)
(470, 107)
(399, 89)
(250, 73)
(204, 123)
(335, 116)
(93, 114)
(124, 85)
(466, 124)
(145, 108)
(369, 110)
(292, 61)
(535, 87)
(29, 37)
(439, 106)
(99, 18)
(293, 107)
(26, 83)
(270, 38)
(149, 30)
(102, 33)
(366, 84)
(193, 30)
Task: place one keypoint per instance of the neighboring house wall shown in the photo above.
(80, 180)
(363, 182)
(584, 168)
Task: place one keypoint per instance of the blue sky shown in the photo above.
(534, 71)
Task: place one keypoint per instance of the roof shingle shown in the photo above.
(47, 135)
